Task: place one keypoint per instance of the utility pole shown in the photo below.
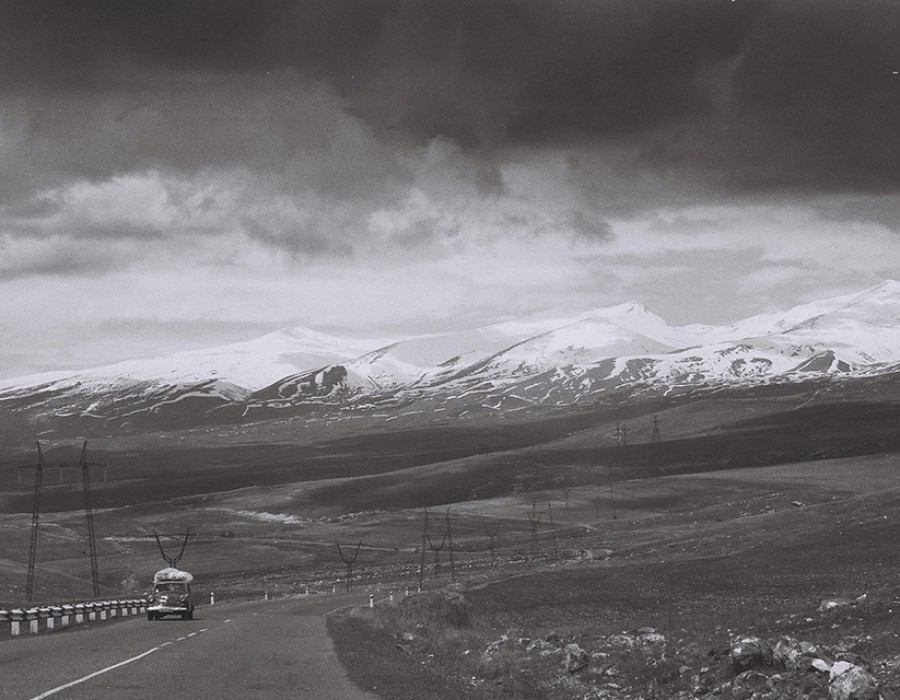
(35, 516)
(655, 436)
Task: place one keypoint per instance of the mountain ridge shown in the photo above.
(599, 353)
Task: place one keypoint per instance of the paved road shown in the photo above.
(276, 649)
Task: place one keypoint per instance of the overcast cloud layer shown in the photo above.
(180, 174)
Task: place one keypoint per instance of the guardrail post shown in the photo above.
(16, 617)
(79, 613)
(67, 612)
(32, 616)
(45, 614)
(56, 612)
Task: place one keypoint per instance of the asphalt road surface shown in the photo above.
(274, 649)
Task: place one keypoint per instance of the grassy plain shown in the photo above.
(739, 517)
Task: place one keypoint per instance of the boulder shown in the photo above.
(821, 666)
(577, 659)
(649, 635)
(829, 605)
(850, 682)
(791, 654)
(496, 645)
(750, 652)
(538, 646)
(749, 684)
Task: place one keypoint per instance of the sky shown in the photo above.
(180, 174)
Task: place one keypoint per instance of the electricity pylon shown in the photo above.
(172, 561)
(35, 516)
(89, 513)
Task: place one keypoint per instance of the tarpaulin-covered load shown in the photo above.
(170, 574)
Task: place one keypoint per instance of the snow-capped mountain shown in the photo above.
(624, 346)
(508, 365)
(512, 349)
(179, 387)
(247, 366)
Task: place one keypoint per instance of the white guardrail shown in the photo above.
(33, 620)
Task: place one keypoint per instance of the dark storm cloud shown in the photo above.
(778, 95)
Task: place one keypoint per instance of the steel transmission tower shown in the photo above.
(89, 513)
(35, 516)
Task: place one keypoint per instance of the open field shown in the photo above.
(742, 517)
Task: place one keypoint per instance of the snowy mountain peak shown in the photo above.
(888, 292)
(560, 361)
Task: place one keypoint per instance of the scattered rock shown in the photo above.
(539, 645)
(808, 649)
(621, 640)
(750, 652)
(577, 659)
(496, 645)
(749, 685)
(791, 654)
(820, 666)
(649, 635)
(850, 682)
(409, 643)
(829, 605)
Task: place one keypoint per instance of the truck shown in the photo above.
(170, 595)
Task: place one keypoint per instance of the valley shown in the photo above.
(705, 514)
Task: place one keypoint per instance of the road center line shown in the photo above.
(94, 674)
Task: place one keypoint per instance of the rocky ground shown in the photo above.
(445, 644)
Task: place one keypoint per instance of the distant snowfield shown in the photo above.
(567, 357)
(249, 365)
(280, 518)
